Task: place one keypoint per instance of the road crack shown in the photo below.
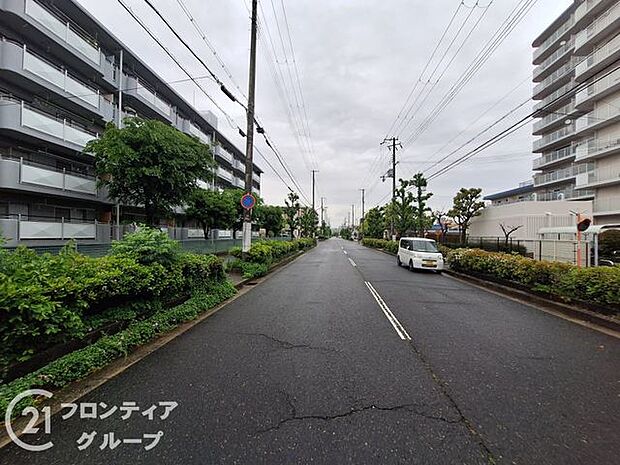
(293, 417)
(286, 344)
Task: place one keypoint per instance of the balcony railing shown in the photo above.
(603, 115)
(65, 31)
(225, 154)
(152, 97)
(554, 136)
(560, 114)
(595, 147)
(556, 94)
(585, 8)
(556, 155)
(60, 78)
(56, 127)
(238, 182)
(551, 59)
(599, 55)
(568, 194)
(565, 70)
(598, 25)
(196, 131)
(256, 177)
(560, 175)
(224, 174)
(559, 32)
(609, 81)
(62, 180)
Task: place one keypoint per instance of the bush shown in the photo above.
(148, 246)
(47, 299)
(79, 364)
(236, 252)
(596, 285)
(261, 253)
(388, 246)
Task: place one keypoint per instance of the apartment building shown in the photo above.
(63, 76)
(579, 142)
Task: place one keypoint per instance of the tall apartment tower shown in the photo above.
(579, 142)
(63, 76)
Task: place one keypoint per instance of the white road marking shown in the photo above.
(400, 330)
(345, 252)
(352, 262)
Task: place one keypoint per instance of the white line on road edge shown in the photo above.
(400, 330)
(345, 252)
(352, 262)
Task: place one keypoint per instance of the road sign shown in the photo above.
(248, 201)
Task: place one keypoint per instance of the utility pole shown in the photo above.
(249, 146)
(322, 211)
(363, 212)
(353, 215)
(394, 143)
(313, 184)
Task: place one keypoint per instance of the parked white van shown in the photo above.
(418, 253)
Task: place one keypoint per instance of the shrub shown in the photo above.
(148, 246)
(80, 363)
(388, 246)
(236, 252)
(253, 270)
(596, 285)
(260, 253)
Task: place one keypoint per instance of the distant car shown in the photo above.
(417, 253)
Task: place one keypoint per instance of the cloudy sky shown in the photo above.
(357, 61)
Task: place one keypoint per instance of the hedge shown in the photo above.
(79, 364)
(388, 246)
(47, 299)
(262, 255)
(599, 285)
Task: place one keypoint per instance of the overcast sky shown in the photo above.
(357, 61)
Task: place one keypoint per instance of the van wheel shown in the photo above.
(411, 268)
(398, 262)
(438, 271)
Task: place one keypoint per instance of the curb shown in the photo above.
(574, 313)
(571, 311)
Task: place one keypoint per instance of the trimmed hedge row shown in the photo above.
(599, 285)
(53, 299)
(81, 363)
(263, 255)
(388, 246)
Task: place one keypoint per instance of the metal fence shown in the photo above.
(539, 249)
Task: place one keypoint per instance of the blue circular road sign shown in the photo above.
(248, 201)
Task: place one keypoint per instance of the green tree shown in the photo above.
(400, 211)
(291, 212)
(374, 224)
(235, 195)
(346, 233)
(150, 163)
(325, 231)
(211, 209)
(270, 217)
(422, 221)
(308, 221)
(467, 204)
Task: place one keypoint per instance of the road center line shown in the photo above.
(345, 252)
(352, 262)
(398, 327)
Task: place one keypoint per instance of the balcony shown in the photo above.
(585, 98)
(196, 131)
(604, 116)
(18, 116)
(557, 118)
(20, 175)
(223, 154)
(238, 182)
(151, 102)
(562, 175)
(18, 227)
(559, 77)
(555, 157)
(597, 31)
(596, 148)
(557, 98)
(544, 49)
(65, 32)
(554, 139)
(598, 178)
(256, 177)
(566, 194)
(238, 164)
(225, 174)
(542, 70)
(589, 9)
(609, 206)
(598, 60)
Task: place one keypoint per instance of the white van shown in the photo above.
(418, 253)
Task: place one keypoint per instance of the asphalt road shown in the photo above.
(310, 367)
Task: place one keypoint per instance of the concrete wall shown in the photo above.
(531, 215)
